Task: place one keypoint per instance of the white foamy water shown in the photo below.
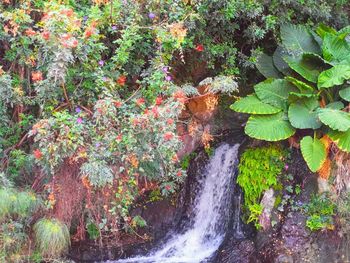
(211, 212)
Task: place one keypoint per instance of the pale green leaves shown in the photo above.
(333, 76)
(252, 105)
(314, 152)
(274, 92)
(274, 127)
(302, 114)
(335, 119)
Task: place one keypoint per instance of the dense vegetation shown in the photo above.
(95, 96)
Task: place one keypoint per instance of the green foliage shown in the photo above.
(320, 64)
(93, 231)
(52, 237)
(320, 213)
(255, 211)
(258, 171)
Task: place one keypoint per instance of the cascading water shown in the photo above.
(211, 214)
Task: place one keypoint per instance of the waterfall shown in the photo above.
(210, 214)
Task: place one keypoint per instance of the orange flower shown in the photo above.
(37, 154)
(30, 32)
(175, 159)
(168, 136)
(37, 76)
(121, 80)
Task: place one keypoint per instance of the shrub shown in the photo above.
(311, 96)
(52, 237)
(320, 211)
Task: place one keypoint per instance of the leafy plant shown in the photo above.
(52, 237)
(311, 96)
(320, 211)
(258, 170)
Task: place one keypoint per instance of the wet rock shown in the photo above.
(267, 203)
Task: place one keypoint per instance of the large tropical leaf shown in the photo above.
(252, 105)
(273, 127)
(334, 76)
(314, 152)
(266, 67)
(345, 94)
(302, 86)
(342, 139)
(337, 105)
(308, 66)
(302, 114)
(335, 48)
(322, 30)
(297, 39)
(274, 92)
(279, 62)
(335, 119)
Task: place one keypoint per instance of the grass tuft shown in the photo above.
(52, 237)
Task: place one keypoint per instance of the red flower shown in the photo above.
(159, 100)
(155, 112)
(175, 159)
(168, 136)
(199, 48)
(30, 32)
(168, 187)
(180, 96)
(37, 76)
(66, 36)
(119, 138)
(140, 101)
(67, 12)
(46, 35)
(74, 43)
(121, 80)
(145, 112)
(170, 121)
(118, 104)
(179, 173)
(37, 154)
(88, 33)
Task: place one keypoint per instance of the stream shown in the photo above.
(209, 217)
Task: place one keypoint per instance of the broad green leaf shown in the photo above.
(297, 39)
(333, 76)
(274, 92)
(273, 127)
(302, 95)
(266, 67)
(335, 119)
(302, 86)
(345, 94)
(252, 105)
(335, 48)
(279, 62)
(337, 105)
(302, 114)
(341, 139)
(322, 30)
(314, 152)
(308, 66)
